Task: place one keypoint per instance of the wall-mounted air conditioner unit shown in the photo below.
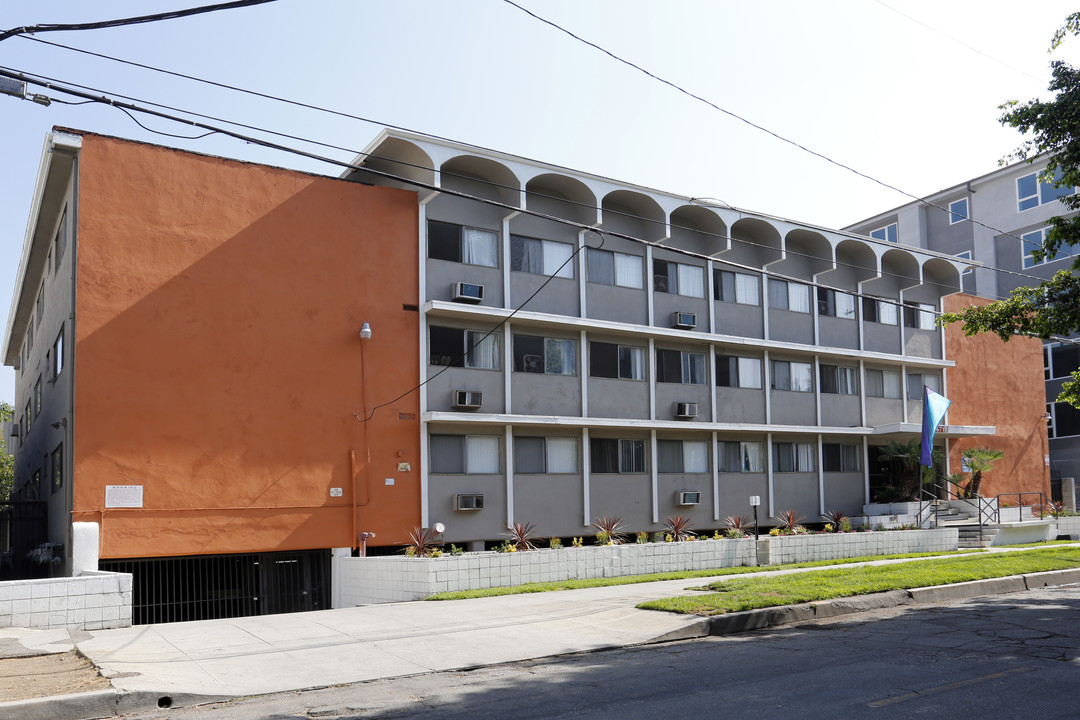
(468, 399)
(469, 501)
(689, 497)
(464, 292)
(686, 410)
(684, 320)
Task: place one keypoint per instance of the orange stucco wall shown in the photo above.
(999, 383)
(218, 359)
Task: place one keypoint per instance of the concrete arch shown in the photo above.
(398, 157)
(562, 196)
(635, 214)
(900, 270)
(481, 177)
(698, 230)
(941, 277)
(856, 262)
(754, 242)
(806, 254)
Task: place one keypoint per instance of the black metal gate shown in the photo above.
(207, 587)
(23, 526)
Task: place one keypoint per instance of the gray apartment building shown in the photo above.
(690, 356)
(1011, 206)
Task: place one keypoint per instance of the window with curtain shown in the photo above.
(457, 243)
(832, 303)
(882, 383)
(919, 315)
(916, 383)
(682, 456)
(463, 348)
(609, 360)
(606, 267)
(841, 457)
(739, 457)
(741, 372)
(879, 311)
(839, 380)
(678, 278)
(784, 295)
(610, 455)
(676, 366)
(552, 356)
(792, 376)
(541, 257)
(793, 457)
(553, 455)
(464, 454)
(736, 287)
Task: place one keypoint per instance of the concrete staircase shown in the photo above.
(967, 525)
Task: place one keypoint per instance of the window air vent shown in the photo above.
(469, 501)
(468, 399)
(684, 320)
(689, 497)
(686, 410)
(464, 292)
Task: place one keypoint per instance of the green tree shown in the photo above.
(980, 460)
(1052, 129)
(7, 462)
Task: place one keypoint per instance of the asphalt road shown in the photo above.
(1004, 656)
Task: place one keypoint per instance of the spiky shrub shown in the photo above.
(422, 542)
(789, 520)
(835, 518)
(612, 526)
(679, 527)
(521, 535)
(741, 523)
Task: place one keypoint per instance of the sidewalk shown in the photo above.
(194, 662)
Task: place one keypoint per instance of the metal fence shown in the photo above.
(206, 587)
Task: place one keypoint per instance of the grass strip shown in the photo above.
(657, 577)
(751, 593)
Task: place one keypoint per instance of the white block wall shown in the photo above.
(836, 546)
(90, 601)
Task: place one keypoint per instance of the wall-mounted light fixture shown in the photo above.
(365, 331)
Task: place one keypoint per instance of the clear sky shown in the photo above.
(905, 91)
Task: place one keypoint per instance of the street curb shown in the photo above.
(75, 706)
(738, 622)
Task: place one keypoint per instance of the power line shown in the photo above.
(172, 15)
(53, 83)
(435, 137)
(741, 119)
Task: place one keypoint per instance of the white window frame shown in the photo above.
(955, 216)
(888, 233)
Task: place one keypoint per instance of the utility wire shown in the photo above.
(54, 84)
(172, 15)
(741, 119)
(318, 108)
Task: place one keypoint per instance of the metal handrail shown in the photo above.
(1042, 506)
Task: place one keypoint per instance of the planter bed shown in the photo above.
(383, 579)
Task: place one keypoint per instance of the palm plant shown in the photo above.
(980, 460)
(679, 527)
(611, 527)
(422, 542)
(835, 518)
(741, 523)
(521, 536)
(789, 520)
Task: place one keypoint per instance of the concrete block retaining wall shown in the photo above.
(807, 548)
(91, 600)
(397, 578)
